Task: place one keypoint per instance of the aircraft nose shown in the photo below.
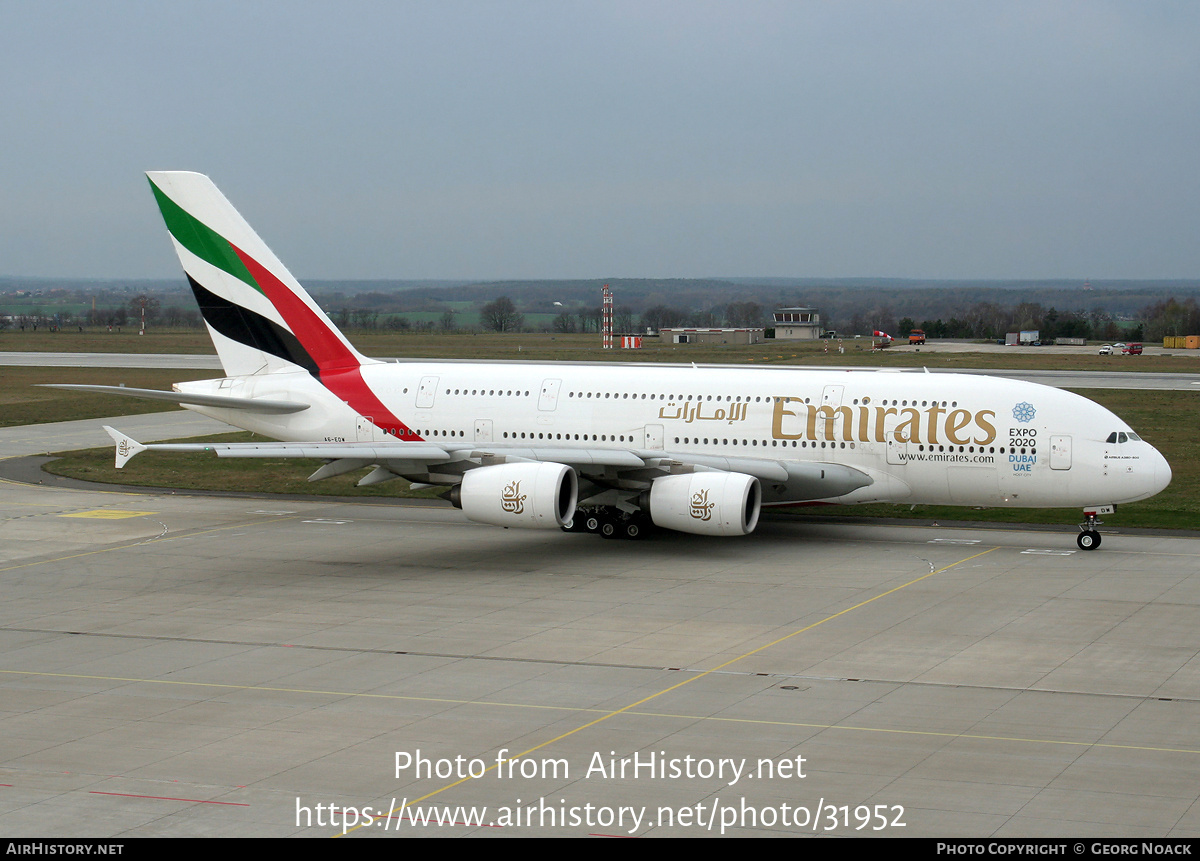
(1162, 472)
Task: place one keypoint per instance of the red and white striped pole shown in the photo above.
(608, 320)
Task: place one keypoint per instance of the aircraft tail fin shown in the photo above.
(259, 317)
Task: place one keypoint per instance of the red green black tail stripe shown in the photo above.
(200, 239)
(311, 342)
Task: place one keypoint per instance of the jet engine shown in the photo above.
(706, 503)
(525, 495)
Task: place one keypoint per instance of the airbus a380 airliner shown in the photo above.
(613, 448)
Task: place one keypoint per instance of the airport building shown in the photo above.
(797, 324)
(713, 336)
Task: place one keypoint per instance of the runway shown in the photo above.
(187, 666)
(177, 665)
(1119, 377)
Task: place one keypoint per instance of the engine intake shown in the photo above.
(524, 495)
(706, 503)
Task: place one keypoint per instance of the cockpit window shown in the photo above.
(1122, 436)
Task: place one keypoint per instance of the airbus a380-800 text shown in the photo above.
(615, 448)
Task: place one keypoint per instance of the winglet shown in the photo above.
(127, 446)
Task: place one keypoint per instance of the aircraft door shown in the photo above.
(366, 429)
(483, 430)
(548, 399)
(897, 452)
(831, 396)
(426, 392)
(1060, 451)
(654, 437)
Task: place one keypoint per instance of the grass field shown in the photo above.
(208, 472)
(99, 340)
(544, 347)
(23, 403)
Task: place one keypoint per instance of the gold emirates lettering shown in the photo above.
(861, 423)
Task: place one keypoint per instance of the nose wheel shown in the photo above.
(1088, 538)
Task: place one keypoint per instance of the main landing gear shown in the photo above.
(1089, 538)
(608, 522)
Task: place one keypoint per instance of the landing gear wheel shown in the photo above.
(1089, 538)
(633, 530)
(592, 523)
(608, 529)
(574, 525)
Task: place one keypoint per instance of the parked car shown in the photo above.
(1131, 350)
(1106, 350)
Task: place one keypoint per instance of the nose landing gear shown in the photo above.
(1089, 538)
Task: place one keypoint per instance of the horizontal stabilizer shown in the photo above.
(260, 405)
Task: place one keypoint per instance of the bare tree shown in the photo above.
(660, 316)
(501, 316)
(365, 318)
(565, 323)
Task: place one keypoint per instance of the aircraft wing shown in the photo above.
(385, 452)
(619, 468)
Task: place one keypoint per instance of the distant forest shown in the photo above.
(961, 309)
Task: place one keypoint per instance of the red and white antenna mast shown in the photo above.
(607, 316)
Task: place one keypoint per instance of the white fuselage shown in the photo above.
(922, 438)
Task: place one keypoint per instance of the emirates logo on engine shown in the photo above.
(511, 498)
(701, 508)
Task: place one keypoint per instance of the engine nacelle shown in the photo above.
(525, 495)
(706, 503)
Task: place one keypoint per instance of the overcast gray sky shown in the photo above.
(500, 140)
